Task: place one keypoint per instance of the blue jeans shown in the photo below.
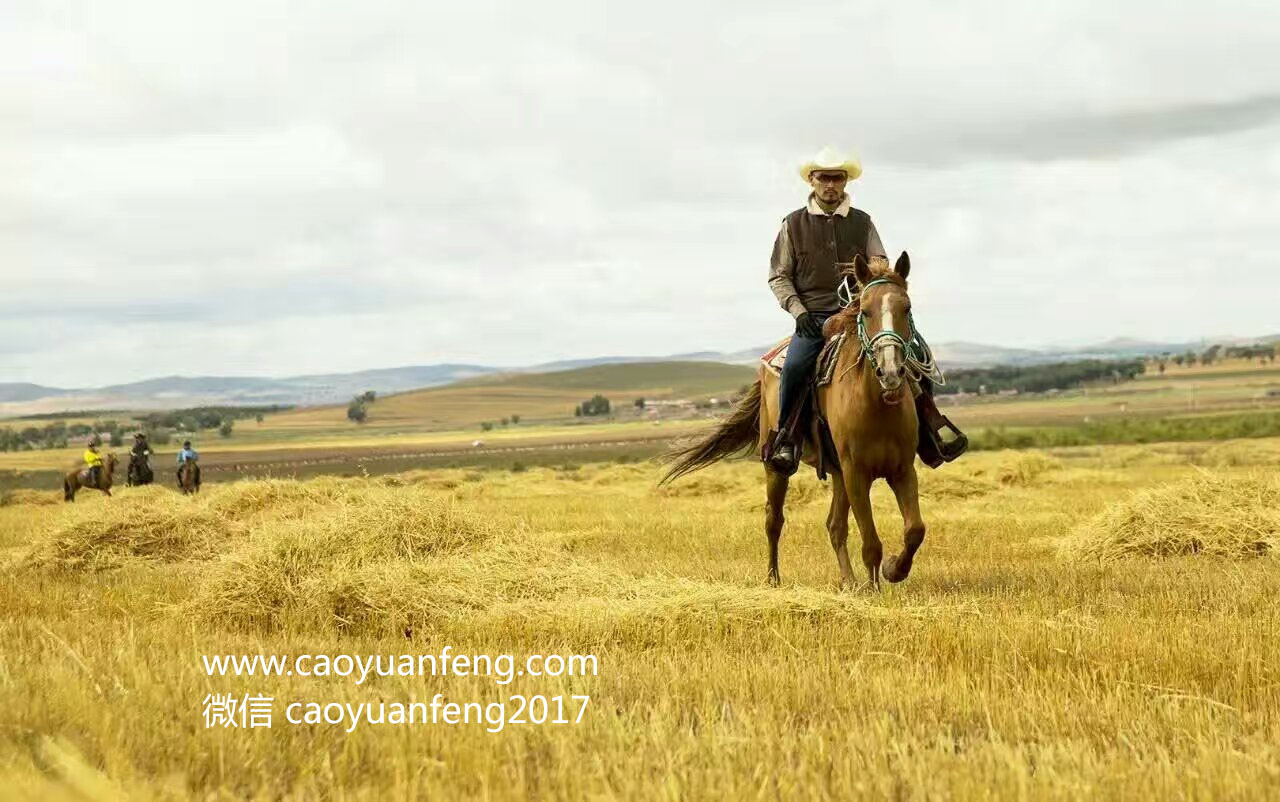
(797, 370)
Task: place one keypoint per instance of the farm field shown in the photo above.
(1233, 398)
(1087, 622)
(1199, 391)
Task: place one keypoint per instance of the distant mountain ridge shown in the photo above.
(21, 398)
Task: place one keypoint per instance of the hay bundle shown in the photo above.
(153, 526)
(953, 485)
(715, 485)
(1231, 516)
(342, 563)
(1026, 467)
(22, 496)
(1237, 453)
(239, 500)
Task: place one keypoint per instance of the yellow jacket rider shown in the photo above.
(94, 460)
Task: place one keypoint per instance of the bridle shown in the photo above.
(917, 357)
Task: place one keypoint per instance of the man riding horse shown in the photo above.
(805, 275)
(188, 454)
(139, 469)
(94, 461)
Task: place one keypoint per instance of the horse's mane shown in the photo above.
(847, 319)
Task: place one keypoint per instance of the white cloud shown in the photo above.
(515, 183)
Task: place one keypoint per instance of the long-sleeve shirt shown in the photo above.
(92, 457)
(187, 454)
(803, 274)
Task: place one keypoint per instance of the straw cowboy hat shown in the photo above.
(831, 159)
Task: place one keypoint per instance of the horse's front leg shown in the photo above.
(838, 529)
(906, 489)
(858, 488)
(775, 498)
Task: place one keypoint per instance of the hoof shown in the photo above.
(894, 572)
(772, 580)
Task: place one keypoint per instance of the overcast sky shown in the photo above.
(267, 188)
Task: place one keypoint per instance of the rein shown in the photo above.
(917, 356)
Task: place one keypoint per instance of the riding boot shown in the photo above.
(783, 458)
(932, 448)
(95, 476)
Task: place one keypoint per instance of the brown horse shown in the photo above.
(187, 478)
(80, 479)
(872, 421)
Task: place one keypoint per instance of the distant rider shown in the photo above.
(140, 451)
(188, 454)
(94, 460)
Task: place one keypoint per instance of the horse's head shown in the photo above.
(884, 319)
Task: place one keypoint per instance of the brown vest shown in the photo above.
(819, 242)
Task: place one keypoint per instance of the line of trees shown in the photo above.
(58, 434)
(1039, 378)
(198, 419)
(160, 427)
(1265, 354)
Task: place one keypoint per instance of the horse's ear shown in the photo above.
(903, 266)
(860, 269)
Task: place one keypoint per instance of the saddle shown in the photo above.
(85, 475)
(775, 357)
(806, 422)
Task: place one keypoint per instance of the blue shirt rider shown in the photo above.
(188, 454)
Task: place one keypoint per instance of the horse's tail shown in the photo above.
(66, 489)
(737, 433)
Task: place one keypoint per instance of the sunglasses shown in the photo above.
(831, 178)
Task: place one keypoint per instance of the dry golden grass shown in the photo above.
(999, 670)
(1226, 516)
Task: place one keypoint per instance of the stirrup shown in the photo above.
(954, 448)
(788, 467)
(934, 451)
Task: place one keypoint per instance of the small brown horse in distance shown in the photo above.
(869, 410)
(79, 479)
(187, 478)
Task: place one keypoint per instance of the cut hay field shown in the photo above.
(1085, 623)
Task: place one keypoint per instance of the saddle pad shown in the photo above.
(776, 356)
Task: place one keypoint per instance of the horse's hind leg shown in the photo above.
(838, 529)
(775, 497)
(906, 489)
(858, 488)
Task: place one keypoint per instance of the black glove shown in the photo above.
(808, 326)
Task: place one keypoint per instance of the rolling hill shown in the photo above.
(171, 392)
(532, 396)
